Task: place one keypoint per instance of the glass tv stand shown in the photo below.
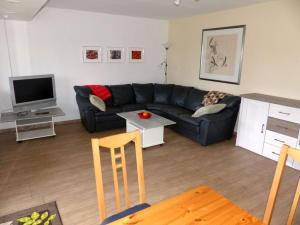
(31, 125)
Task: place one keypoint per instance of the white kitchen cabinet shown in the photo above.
(252, 125)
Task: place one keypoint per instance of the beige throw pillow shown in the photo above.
(97, 102)
(210, 109)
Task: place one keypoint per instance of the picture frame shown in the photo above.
(92, 54)
(136, 54)
(222, 52)
(115, 54)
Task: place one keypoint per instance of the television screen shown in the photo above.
(29, 90)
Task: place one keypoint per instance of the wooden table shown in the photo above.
(201, 205)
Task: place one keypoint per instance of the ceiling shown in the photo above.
(161, 9)
(20, 9)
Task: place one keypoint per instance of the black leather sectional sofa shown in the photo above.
(175, 102)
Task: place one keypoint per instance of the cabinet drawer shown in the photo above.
(278, 140)
(285, 113)
(283, 127)
(273, 152)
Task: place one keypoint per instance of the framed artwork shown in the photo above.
(222, 54)
(91, 54)
(136, 54)
(115, 54)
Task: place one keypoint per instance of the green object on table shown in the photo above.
(24, 219)
(37, 219)
(35, 216)
(44, 215)
(29, 222)
(52, 217)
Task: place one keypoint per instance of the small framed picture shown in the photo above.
(136, 54)
(91, 54)
(115, 54)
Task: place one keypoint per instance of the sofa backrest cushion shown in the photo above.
(231, 101)
(122, 94)
(162, 93)
(179, 95)
(194, 99)
(143, 93)
(83, 91)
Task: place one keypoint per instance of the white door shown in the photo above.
(252, 125)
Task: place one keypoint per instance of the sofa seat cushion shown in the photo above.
(133, 107)
(162, 93)
(122, 94)
(109, 111)
(108, 118)
(125, 213)
(156, 106)
(175, 111)
(179, 95)
(143, 93)
(194, 99)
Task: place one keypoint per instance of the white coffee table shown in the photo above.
(152, 129)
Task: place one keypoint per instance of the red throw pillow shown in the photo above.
(100, 91)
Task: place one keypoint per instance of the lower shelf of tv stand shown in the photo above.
(37, 133)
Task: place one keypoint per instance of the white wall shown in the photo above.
(56, 37)
(18, 45)
(272, 48)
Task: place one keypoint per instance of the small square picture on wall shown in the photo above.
(136, 54)
(91, 54)
(115, 54)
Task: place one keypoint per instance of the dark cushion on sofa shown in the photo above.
(143, 93)
(162, 93)
(109, 111)
(132, 107)
(122, 94)
(194, 99)
(83, 91)
(174, 111)
(125, 213)
(156, 106)
(179, 95)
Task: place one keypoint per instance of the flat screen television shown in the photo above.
(32, 92)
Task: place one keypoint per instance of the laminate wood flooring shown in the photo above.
(61, 169)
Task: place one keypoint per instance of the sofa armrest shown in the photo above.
(219, 126)
(87, 113)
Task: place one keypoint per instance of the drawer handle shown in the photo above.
(275, 139)
(262, 128)
(275, 153)
(284, 113)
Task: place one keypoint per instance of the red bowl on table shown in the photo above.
(144, 115)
